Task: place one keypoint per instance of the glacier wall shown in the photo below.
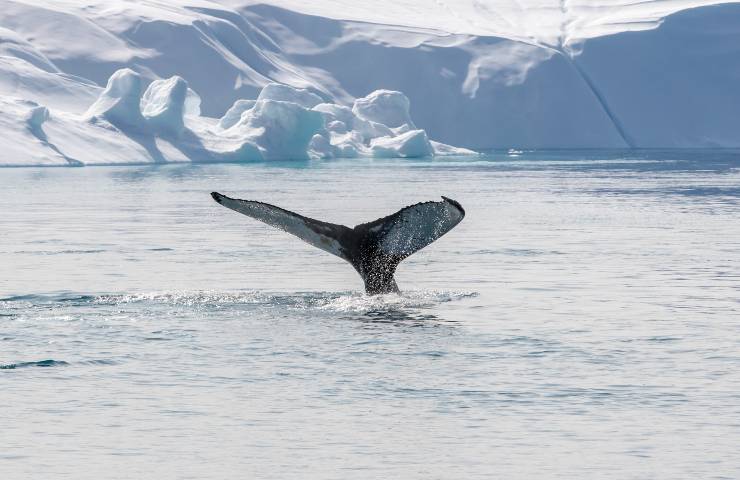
(495, 74)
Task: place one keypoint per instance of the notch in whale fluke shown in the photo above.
(374, 249)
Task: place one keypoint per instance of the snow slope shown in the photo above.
(480, 74)
(554, 23)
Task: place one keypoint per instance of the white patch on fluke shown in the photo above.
(415, 227)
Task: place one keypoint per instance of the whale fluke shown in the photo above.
(374, 249)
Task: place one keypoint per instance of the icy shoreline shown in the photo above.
(128, 124)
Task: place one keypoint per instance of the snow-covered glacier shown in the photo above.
(93, 82)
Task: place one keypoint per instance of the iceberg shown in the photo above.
(281, 130)
(413, 143)
(164, 124)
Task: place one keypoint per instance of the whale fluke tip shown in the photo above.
(455, 203)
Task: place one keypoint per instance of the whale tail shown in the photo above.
(374, 249)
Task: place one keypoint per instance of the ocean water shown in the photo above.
(583, 321)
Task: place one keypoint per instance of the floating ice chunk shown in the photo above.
(286, 93)
(282, 130)
(119, 102)
(442, 149)
(386, 107)
(234, 114)
(410, 144)
(163, 105)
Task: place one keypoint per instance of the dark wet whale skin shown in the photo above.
(374, 249)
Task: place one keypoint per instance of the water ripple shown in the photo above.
(39, 363)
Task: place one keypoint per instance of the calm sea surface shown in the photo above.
(583, 321)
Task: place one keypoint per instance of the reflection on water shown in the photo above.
(581, 321)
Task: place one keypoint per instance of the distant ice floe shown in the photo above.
(163, 123)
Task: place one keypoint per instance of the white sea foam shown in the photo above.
(353, 302)
(360, 303)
